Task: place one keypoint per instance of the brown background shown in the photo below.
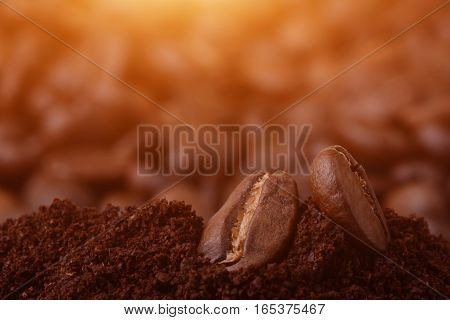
(67, 129)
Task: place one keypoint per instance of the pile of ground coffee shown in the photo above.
(151, 253)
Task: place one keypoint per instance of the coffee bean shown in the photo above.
(343, 192)
(255, 224)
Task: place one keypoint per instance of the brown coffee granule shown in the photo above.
(30, 244)
(151, 253)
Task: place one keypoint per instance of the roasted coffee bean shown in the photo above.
(343, 192)
(255, 224)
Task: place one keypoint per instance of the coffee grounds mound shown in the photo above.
(151, 253)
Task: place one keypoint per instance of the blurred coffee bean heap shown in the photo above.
(68, 129)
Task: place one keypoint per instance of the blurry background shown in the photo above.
(67, 129)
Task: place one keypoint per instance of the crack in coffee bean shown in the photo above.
(240, 230)
(256, 223)
(342, 190)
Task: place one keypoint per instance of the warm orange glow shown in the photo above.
(215, 62)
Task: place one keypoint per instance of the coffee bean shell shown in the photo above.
(215, 239)
(273, 225)
(342, 191)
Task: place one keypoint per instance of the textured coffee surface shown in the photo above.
(30, 244)
(342, 190)
(255, 224)
(153, 255)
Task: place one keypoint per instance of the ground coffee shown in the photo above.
(151, 253)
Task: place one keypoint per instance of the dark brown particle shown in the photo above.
(151, 253)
